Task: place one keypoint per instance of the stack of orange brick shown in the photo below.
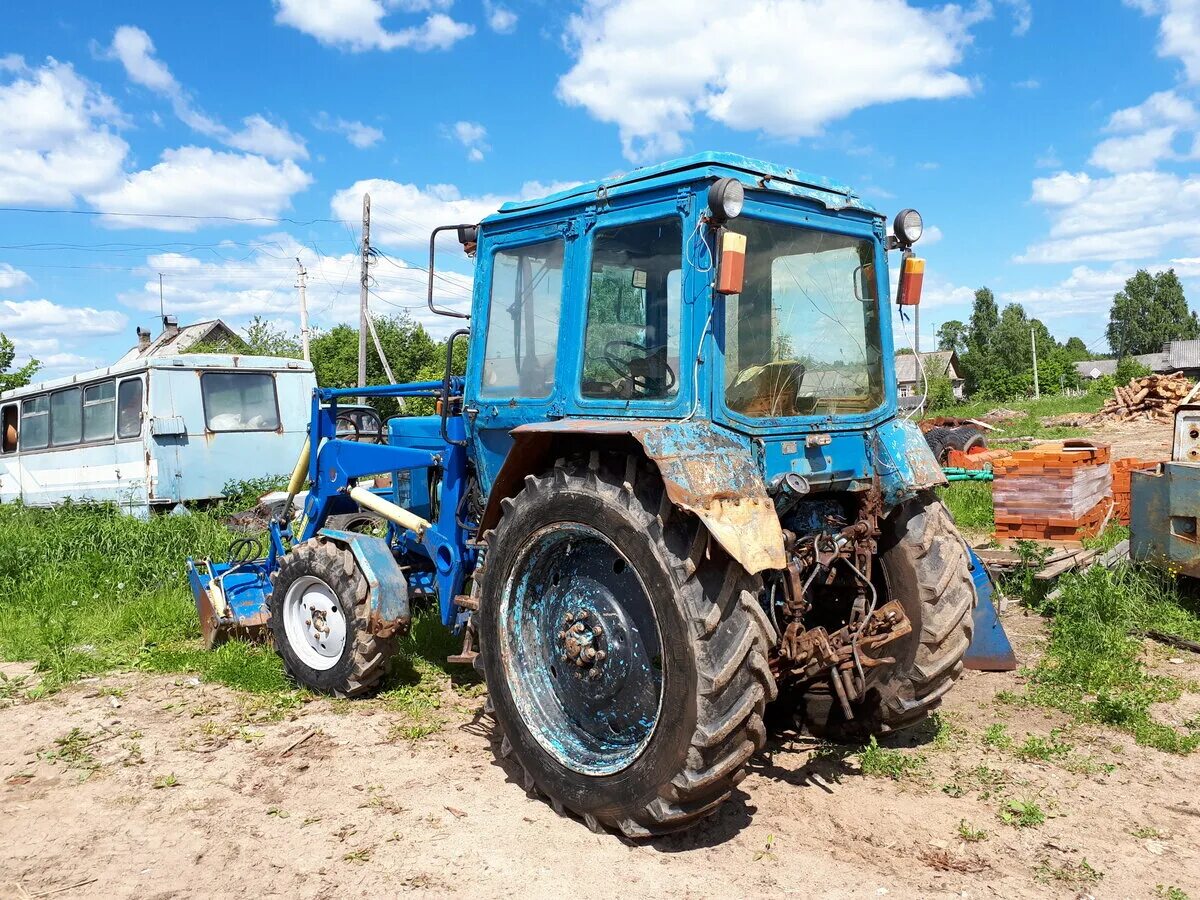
(1060, 491)
(1122, 470)
(981, 460)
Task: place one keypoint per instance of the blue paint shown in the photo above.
(1164, 517)
(990, 650)
(387, 599)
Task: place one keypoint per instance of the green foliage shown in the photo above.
(970, 503)
(1021, 814)
(997, 737)
(969, 834)
(23, 375)
(1129, 368)
(1093, 667)
(264, 339)
(940, 395)
(1076, 350)
(881, 762)
(1148, 312)
(952, 335)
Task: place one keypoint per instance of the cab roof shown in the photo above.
(753, 173)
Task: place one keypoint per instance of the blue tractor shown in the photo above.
(672, 487)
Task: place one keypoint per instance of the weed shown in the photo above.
(278, 813)
(881, 762)
(73, 750)
(969, 834)
(1147, 832)
(1021, 814)
(1169, 892)
(310, 820)
(767, 851)
(360, 855)
(11, 688)
(1075, 874)
(1048, 749)
(413, 732)
(165, 781)
(997, 737)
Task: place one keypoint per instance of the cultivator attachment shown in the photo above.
(990, 650)
(231, 599)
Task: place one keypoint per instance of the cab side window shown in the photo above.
(129, 408)
(522, 333)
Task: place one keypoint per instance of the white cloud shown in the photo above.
(357, 133)
(134, 49)
(263, 286)
(1162, 108)
(1178, 32)
(1132, 215)
(932, 235)
(500, 18)
(786, 68)
(20, 316)
(357, 25)
(1022, 13)
(1085, 290)
(1130, 153)
(56, 140)
(12, 279)
(403, 215)
(1029, 84)
(473, 136)
(197, 181)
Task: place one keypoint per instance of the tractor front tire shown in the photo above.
(925, 566)
(319, 621)
(651, 732)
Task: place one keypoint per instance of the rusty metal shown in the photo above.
(705, 470)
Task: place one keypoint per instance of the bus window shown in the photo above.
(129, 408)
(35, 423)
(99, 411)
(66, 417)
(8, 428)
(239, 401)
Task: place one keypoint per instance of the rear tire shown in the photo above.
(938, 439)
(925, 565)
(714, 639)
(966, 438)
(320, 582)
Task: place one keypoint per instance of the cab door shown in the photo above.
(514, 368)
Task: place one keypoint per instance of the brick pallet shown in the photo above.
(1059, 491)
(1122, 473)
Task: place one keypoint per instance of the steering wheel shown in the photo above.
(372, 424)
(624, 367)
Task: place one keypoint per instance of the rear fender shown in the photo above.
(705, 470)
(388, 610)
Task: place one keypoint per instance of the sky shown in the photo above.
(1052, 153)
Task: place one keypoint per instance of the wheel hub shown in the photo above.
(581, 642)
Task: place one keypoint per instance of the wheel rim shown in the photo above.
(314, 622)
(581, 649)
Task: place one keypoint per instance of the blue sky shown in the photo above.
(1052, 153)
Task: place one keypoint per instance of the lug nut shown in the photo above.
(597, 630)
(568, 619)
(577, 628)
(584, 614)
(589, 653)
(601, 655)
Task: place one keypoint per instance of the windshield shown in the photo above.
(803, 337)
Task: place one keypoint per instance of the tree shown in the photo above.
(952, 335)
(23, 375)
(264, 339)
(1076, 349)
(1150, 311)
(981, 332)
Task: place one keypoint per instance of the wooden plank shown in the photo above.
(1076, 560)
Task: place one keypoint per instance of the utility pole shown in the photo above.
(1037, 392)
(917, 326)
(302, 284)
(363, 314)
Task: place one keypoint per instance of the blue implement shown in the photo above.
(990, 649)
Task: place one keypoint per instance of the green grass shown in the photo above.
(882, 762)
(87, 589)
(1093, 667)
(970, 502)
(1032, 412)
(1021, 814)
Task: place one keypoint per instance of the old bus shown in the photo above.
(152, 433)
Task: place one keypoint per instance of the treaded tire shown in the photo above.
(715, 640)
(925, 566)
(939, 440)
(363, 662)
(966, 438)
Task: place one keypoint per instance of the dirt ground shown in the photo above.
(1146, 440)
(175, 788)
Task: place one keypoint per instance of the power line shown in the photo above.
(137, 215)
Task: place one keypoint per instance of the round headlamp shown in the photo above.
(726, 198)
(908, 226)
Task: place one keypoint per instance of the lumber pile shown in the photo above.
(1058, 491)
(1153, 398)
(1122, 470)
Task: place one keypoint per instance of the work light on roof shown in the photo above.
(908, 227)
(726, 198)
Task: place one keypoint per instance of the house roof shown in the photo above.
(171, 343)
(1182, 355)
(940, 363)
(1095, 368)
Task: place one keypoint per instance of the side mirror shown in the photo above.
(912, 275)
(731, 262)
